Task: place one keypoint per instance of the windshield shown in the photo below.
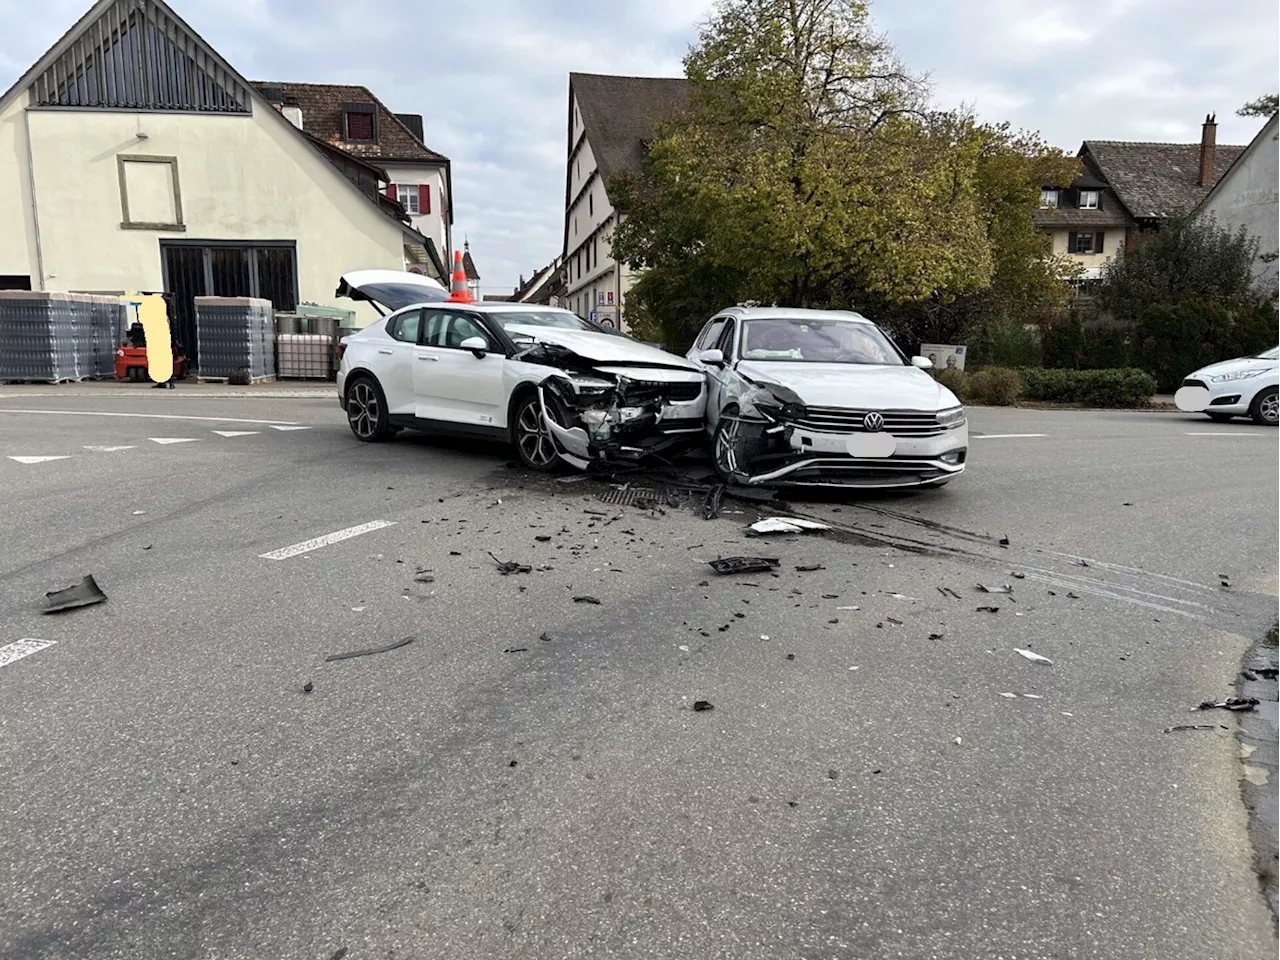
(817, 341)
(1272, 354)
(549, 318)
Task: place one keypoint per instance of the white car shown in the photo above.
(1244, 387)
(824, 398)
(557, 387)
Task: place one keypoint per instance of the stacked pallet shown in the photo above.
(235, 336)
(54, 337)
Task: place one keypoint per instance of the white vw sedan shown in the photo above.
(1245, 387)
(559, 388)
(824, 398)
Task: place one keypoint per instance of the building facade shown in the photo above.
(133, 157)
(611, 120)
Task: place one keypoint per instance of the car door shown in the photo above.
(451, 383)
(393, 362)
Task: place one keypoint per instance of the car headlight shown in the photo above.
(950, 418)
(1238, 375)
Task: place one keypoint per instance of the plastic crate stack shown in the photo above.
(53, 337)
(304, 356)
(108, 319)
(235, 334)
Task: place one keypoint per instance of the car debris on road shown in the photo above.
(1032, 656)
(83, 594)
(370, 652)
(732, 565)
(1234, 704)
(784, 525)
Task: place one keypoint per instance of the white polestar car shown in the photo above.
(824, 398)
(557, 387)
(1244, 387)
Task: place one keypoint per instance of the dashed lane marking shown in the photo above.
(13, 652)
(109, 449)
(149, 416)
(37, 459)
(288, 427)
(1005, 436)
(306, 546)
(173, 439)
(237, 433)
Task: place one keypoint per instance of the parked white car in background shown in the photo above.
(1244, 387)
(559, 388)
(824, 398)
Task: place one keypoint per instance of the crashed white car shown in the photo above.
(824, 398)
(1244, 387)
(557, 387)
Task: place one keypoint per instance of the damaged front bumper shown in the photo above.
(829, 447)
(618, 417)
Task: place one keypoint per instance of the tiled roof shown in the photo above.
(619, 113)
(321, 106)
(1068, 216)
(1157, 179)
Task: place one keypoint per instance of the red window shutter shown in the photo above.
(391, 191)
(424, 198)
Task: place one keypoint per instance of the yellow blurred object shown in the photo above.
(152, 312)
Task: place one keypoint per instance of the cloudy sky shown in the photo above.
(491, 79)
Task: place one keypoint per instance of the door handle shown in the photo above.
(387, 352)
(427, 356)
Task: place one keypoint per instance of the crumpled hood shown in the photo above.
(601, 347)
(853, 386)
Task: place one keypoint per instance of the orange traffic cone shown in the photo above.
(458, 292)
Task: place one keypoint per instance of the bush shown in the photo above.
(957, 381)
(995, 386)
(1096, 388)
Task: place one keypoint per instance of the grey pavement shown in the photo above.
(170, 791)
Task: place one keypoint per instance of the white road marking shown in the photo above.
(150, 416)
(275, 427)
(306, 546)
(109, 449)
(173, 439)
(1240, 433)
(37, 459)
(237, 433)
(1005, 436)
(15, 651)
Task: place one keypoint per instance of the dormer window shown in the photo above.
(1048, 199)
(1088, 199)
(359, 123)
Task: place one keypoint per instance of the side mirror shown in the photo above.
(924, 363)
(477, 345)
(712, 358)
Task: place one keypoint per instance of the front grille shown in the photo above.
(900, 423)
(640, 392)
(1195, 383)
(683, 392)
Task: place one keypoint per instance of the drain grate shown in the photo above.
(627, 496)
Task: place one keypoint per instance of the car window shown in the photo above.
(450, 329)
(817, 340)
(725, 343)
(405, 326)
(710, 333)
(434, 322)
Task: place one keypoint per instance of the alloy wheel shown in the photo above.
(726, 451)
(362, 410)
(533, 438)
(1269, 408)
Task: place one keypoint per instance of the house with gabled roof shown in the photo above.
(134, 157)
(1124, 189)
(611, 121)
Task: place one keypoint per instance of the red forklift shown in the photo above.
(131, 355)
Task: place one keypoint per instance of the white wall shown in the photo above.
(435, 224)
(1112, 244)
(241, 178)
(1248, 197)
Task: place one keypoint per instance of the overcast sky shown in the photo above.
(491, 79)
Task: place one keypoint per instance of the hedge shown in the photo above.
(1125, 387)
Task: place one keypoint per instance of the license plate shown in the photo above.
(871, 445)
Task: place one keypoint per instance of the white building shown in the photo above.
(134, 157)
(1247, 196)
(611, 120)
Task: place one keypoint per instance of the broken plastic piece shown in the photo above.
(809, 568)
(542, 538)
(585, 599)
(424, 576)
(83, 594)
(730, 565)
(1032, 655)
(366, 653)
(516, 650)
(511, 566)
(1009, 696)
(784, 525)
(1004, 541)
(308, 687)
(700, 706)
(988, 610)
(833, 774)
(1004, 588)
(711, 505)
(1189, 726)
(1235, 704)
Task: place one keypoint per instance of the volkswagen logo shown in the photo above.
(873, 422)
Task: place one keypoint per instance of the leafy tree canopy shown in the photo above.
(1264, 106)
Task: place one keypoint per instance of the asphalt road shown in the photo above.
(171, 791)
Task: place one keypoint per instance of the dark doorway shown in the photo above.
(219, 268)
(14, 282)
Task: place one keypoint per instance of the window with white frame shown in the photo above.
(1088, 199)
(407, 194)
(1048, 199)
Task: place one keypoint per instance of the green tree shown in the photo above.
(1264, 106)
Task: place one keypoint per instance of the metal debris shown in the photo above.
(1004, 588)
(1190, 726)
(516, 650)
(1234, 704)
(511, 566)
(83, 594)
(733, 565)
(366, 653)
(586, 599)
(809, 568)
(1032, 656)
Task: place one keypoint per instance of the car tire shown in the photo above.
(1264, 409)
(725, 448)
(1220, 417)
(529, 435)
(367, 411)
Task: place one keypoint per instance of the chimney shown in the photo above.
(1208, 140)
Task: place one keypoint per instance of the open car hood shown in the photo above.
(391, 289)
(603, 348)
